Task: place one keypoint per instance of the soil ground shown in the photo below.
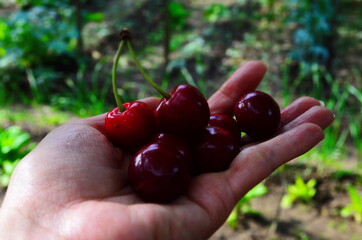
(319, 220)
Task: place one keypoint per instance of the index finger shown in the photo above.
(243, 80)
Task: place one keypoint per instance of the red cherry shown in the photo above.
(257, 114)
(159, 173)
(132, 127)
(226, 122)
(185, 113)
(215, 150)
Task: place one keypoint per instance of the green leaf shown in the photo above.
(355, 207)
(2, 52)
(95, 17)
(9, 166)
(258, 191)
(355, 92)
(232, 220)
(7, 170)
(3, 30)
(216, 12)
(287, 201)
(311, 183)
(178, 14)
(300, 190)
(346, 211)
(12, 139)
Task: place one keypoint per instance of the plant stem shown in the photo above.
(114, 72)
(153, 84)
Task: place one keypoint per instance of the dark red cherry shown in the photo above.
(159, 173)
(131, 128)
(226, 122)
(257, 114)
(185, 113)
(173, 141)
(215, 150)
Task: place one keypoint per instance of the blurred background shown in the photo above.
(56, 58)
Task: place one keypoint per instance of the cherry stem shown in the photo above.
(114, 72)
(148, 79)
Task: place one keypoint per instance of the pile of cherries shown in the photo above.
(181, 139)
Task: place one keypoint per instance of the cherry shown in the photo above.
(226, 122)
(215, 150)
(131, 128)
(257, 114)
(131, 124)
(185, 113)
(172, 140)
(159, 173)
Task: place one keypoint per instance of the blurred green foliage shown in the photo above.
(58, 53)
(354, 208)
(178, 15)
(300, 191)
(216, 12)
(41, 62)
(31, 39)
(14, 145)
(244, 206)
(313, 30)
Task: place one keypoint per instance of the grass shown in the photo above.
(14, 145)
(299, 191)
(87, 91)
(343, 98)
(83, 94)
(354, 208)
(85, 97)
(38, 116)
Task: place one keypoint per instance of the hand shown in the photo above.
(73, 184)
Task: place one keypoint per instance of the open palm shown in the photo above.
(73, 185)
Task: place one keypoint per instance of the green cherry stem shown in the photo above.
(114, 72)
(148, 79)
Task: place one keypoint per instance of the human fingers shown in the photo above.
(296, 108)
(318, 115)
(302, 110)
(217, 193)
(258, 161)
(243, 80)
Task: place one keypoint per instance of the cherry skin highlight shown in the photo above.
(131, 128)
(185, 113)
(215, 150)
(159, 173)
(258, 115)
(225, 122)
(173, 141)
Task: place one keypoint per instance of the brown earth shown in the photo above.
(317, 221)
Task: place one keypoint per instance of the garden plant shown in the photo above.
(58, 63)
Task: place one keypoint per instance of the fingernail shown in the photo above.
(322, 103)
